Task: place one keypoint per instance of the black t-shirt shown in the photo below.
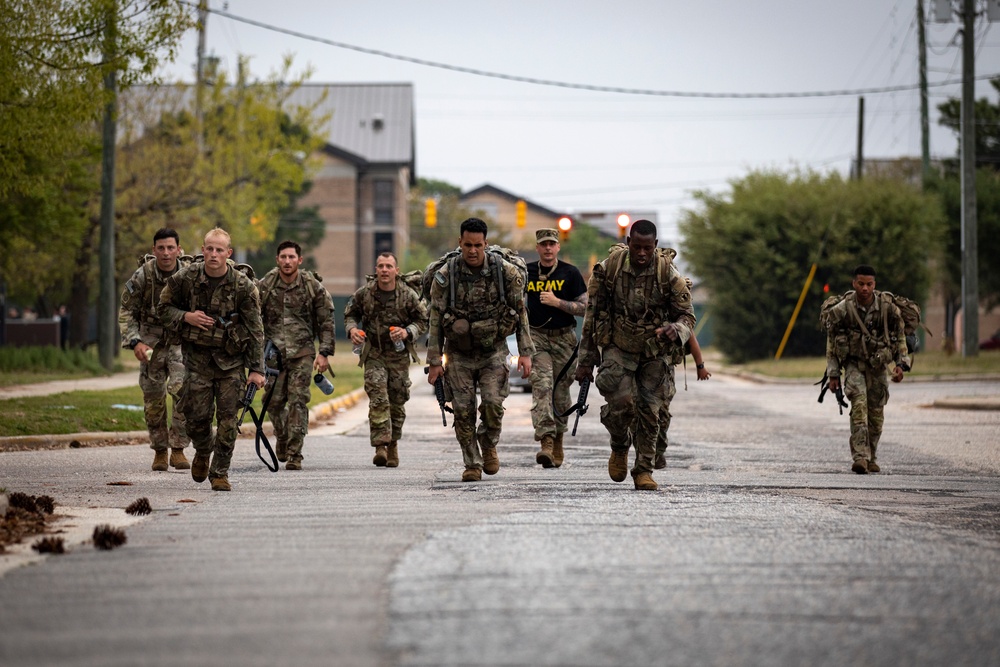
(565, 281)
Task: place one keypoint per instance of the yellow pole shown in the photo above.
(795, 313)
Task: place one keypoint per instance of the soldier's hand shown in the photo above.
(199, 319)
(897, 374)
(524, 365)
(584, 373)
(433, 373)
(703, 374)
(140, 352)
(548, 299)
(257, 379)
(322, 364)
(667, 330)
(356, 336)
(834, 384)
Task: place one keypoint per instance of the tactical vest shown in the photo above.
(222, 305)
(152, 285)
(313, 283)
(478, 314)
(378, 319)
(874, 343)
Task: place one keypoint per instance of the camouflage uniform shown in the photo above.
(473, 333)
(636, 373)
(294, 316)
(387, 372)
(865, 360)
(164, 372)
(215, 359)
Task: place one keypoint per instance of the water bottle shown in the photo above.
(358, 347)
(324, 385)
(400, 345)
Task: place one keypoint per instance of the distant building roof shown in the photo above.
(487, 188)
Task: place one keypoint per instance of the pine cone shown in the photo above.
(107, 538)
(140, 506)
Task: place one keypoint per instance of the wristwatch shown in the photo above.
(699, 366)
(132, 343)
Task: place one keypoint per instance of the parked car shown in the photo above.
(991, 343)
(516, 381)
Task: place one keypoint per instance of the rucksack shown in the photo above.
(666, 271)
(499, 254)
(412, 279)
(309, 278)
(908, 309)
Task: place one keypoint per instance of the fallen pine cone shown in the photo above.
(140, 506)
(107, 538)
(50, 545)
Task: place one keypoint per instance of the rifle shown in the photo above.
(839, 392)
(439, 394)
(581, 406)
(270, 353)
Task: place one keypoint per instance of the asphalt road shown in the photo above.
(761, 547)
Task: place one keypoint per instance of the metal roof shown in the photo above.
(373, 121)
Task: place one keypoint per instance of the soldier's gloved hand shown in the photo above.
(584, 373)
(257, 379)
(433, 373)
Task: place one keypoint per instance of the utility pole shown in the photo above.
(107, 322)
(199, 84)
(861, 138)
(970, 263)
(925, 133)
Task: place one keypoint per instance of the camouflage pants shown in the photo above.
(211, 392)
(553, 348)
(387, 383)
(162, 374)
(464, 372)
(289, 406)
(634, 392)
(665, 417)
(868, 392)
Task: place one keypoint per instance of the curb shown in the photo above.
(25, 443)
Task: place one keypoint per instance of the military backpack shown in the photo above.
(498, 254)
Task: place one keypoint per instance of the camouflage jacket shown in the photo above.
(625, 310)
(296, 314)
(137, 316)
(237, 339)
(404, 309)
(479, 320)
(872, 335)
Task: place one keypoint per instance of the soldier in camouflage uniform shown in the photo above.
(864, 333)
(557, 295)
(216, 310)
(472, 329)
(389, 313)
(296, 311)
(638, 312)
(161, 365)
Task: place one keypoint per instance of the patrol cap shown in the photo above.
(547, 234)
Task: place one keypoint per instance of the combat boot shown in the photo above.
(199, 468)
(392, 455)
(491, 462)
(644, 482)
(293, 465)
(221, 484)
(557, 450)
(160, 460)
(618, 464)
(660, 462)
(380, 456)
(860, 466)
(545, 456)
(472, 475)
(873, 467)
(178, 460)
(281, 451)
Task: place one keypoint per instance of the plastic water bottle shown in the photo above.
(358, 347)
(324, 385)
(400, 345)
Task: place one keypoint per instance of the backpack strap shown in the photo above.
(452, 277)
(498, 274)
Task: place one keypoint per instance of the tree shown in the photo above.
(987, 134)
(754, 246)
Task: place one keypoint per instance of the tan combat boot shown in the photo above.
(221, 484)
(380, 456)
(392, 455)
(644, 482)
(293, 465)
(472, 475)
(557, 450)
(860, 466)
(545, 456)
(873, 467)
(281, 451)
(178, 460)
(491, 462)
(199, 468)
(160, 460)
(618, 464)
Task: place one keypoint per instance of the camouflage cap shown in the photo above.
(547, 234)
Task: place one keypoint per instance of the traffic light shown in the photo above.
(521, 213)
(430, 212)
(565, 224)
(623, 222)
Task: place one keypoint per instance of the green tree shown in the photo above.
(987, 134)
(754, 246)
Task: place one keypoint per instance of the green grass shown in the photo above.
(89, 411)
(924, 364)
(26, 365)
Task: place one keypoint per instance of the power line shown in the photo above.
(580, 86)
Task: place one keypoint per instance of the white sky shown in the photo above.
(573, 150)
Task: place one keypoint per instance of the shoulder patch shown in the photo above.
(440, 278)
(130, 287)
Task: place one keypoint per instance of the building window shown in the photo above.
(384, 202)
(383, 243)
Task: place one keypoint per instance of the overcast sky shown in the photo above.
(574, 150)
